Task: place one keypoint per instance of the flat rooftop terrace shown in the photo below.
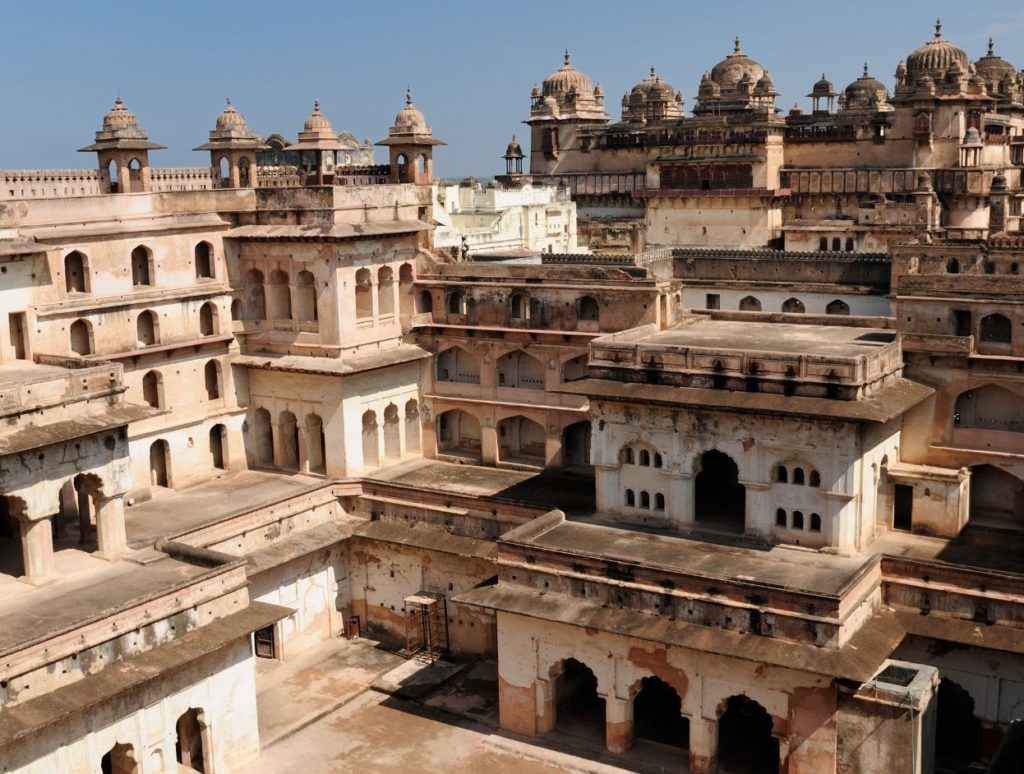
(832, 341)
(780, 566)
(20, 371)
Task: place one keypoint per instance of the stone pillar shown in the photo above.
(606, 479)
(275, 434)
(303, 450)
(37, 550)
(488, 444)
(374, 300)
(680, 498)
(703, 746)
(84, 516)
(267, 302)
(618, 728)
(110, 532)
(546, 716)
(554, 453)
(233, 175)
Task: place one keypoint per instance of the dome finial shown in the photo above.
(938, 28)
(566, 57)
(408, 95)
(736, 45)
(991, 47)
(316, 105)
(865, 69)
(228, 100)
(652, 71)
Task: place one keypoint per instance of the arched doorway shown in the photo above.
(657, 714)
(521, 440)
(305, 296)
(997, 499)
(745, 741)
(750, 304)
(81, 337)
(76, 275)
(316, 444)
(188, 744)
(412, 426)
(280, 296)
(217, 433)
(719, 498)
(458, 432)
(392, 433)
(519, 370)
(159, 463)
(257, 295)
(371, 446)
(579, 710)
(957, 730)
(576, 444)
(119, 759)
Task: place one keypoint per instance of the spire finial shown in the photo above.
(228, 100)
(938, 28)
(865, 69)
(408, 96)
(736, 45)
(316, 105)
(513, 138)
(652, 71)
(991, 47)
(566, 57)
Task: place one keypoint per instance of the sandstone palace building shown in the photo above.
(737, 485)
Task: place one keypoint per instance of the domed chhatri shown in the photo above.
(736, 83)
(232, 146)
(935, 57)
(317, 121)
(122, 148)
(652, 99)
(866, 93)
(410, 119)
(514, 158)
(410, 145)
(995, 72)
(565, 79)
(119, 117)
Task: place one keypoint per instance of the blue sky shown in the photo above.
(470, 64)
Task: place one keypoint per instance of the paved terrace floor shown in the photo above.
(822, 340)
(778, 565)
(570, 490)
(187, 509)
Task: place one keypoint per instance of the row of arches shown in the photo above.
(522, 307)
(286, 444)
(390, 433)
(516, 369)
(644, 501)
(645, 458)
(519, 440)
(746, 740)
(795, 520)
(191, 743)
(797, 476)
(794, 306)
(161, 472)
(77, 277)
(82, 341)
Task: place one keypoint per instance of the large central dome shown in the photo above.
(731, 70)
(565, 79)
(936, 56)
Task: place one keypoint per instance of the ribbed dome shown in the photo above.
(653, 89)
(765, 85)
(119, 117)
(409, 119)
(317, 121)
(731, 70)
(936, 56)
(865, 91)
(230, 118)
(565, 79)
(993, 69)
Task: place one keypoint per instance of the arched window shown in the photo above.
(645, 500)
(798, 520)
(81, 337)
(364, 295)
(142, 266)
(952, 266)
(781, 474)
(837, 244)
(280, 296)
(256, 295)
(236, 309)
(815, 478)
(412, 426)
(645, 458)
(224, 171)
(793, 306)
(146, 329)
(208, 319)
(405, 289)
(657, 460)
(243, 172)
(780, 518)
(153, 389)
(211, 377)
(659, 502)
(392, 433)
(815, 522)
(425, 302)
(589, 310)
(837, 307)
(630, 498)
(456, 302)
(519, 306)
(750, 304)
(996, 328)
(204, 260)
(76, 273)
(217, 444)
(627, 455)
(798, 476)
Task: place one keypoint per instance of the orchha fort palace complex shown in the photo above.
(693, 441)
